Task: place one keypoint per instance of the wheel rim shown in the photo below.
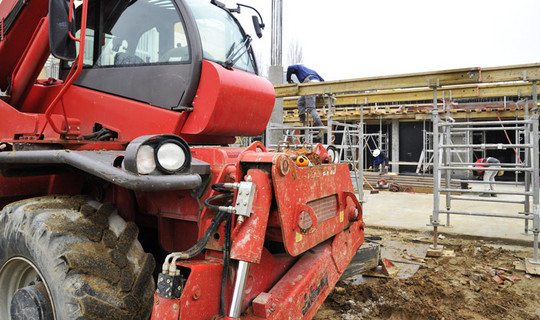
(15, 274)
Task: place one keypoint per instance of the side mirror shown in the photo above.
(258, 26)
(61, 44)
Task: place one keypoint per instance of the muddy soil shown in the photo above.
(451, 287)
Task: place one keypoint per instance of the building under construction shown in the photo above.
(434, 126)
(397, 110)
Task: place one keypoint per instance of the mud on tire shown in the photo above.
(88, 257)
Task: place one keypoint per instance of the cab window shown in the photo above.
(221, 35)
(136, 32)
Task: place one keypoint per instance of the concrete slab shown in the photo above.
(412, 211)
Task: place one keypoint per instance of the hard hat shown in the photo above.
(376, 152)
(500, 173)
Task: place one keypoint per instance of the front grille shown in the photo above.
(324, 209)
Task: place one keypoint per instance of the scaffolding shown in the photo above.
(444, 162)
(348, 140)
(409, 96)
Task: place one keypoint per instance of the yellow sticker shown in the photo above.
(298, 237)
(341, 215)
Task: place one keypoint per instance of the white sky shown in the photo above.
(344, 39)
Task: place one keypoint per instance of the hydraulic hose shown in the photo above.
(198, 247)
(217, 197)
(223, 187)
(214, 225)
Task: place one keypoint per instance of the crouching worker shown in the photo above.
(381, 160)
(488, 175)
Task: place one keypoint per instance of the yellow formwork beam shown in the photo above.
(523, 72)
(456, 92)
(374, 117)
(415, 80)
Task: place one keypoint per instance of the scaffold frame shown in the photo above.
(443, 163)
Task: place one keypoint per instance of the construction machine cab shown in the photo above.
(152, 51)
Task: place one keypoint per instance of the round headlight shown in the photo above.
(170, 156)
(145, 160)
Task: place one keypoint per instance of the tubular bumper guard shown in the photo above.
(100, 164)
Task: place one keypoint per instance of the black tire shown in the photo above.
(333, 152)
(84, 253)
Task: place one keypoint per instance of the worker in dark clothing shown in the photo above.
(488, 175)
(381, 160)
(305, 75)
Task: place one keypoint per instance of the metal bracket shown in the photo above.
(434, 223)
(170, 286)
(244, 200)
(433, 86)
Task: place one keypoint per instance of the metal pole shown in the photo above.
(487, 129)
(380, 145)
(329, 117)
(488, 214)
(487, 200)
(239, 287)
(516, 161)
(527, 175)
(448, 172)
(528, 163)
(469, 154)
(486, 123)
(517, 193)
(436, 179)
(493, 182)
(276, 48)
(424, 144)
(360, 183)
(485, 146)
(535, 175)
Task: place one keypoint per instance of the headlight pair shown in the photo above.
(159, 154)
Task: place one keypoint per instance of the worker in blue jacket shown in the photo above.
(379, 159)
(305, 75)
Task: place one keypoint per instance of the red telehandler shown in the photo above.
(120, 197)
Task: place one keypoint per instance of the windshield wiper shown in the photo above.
(237, 52)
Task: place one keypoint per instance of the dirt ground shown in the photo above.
(450, 287)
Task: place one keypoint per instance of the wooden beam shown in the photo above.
(407, 95)
(417, 115)
(415, 80)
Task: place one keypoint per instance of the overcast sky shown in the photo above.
(344, 39)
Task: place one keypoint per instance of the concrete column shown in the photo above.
(395, 145)
(275, 75)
